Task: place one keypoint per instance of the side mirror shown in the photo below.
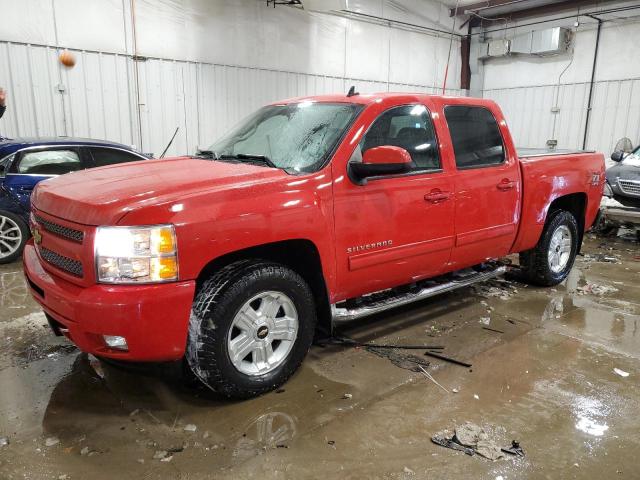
(617, 156)
(384, 160)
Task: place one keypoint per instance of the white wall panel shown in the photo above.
(615, 114)
(526, 87)
(205, 64)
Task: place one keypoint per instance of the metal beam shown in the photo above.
(479, 5)
(520, 8)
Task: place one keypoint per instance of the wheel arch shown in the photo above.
(576, 205)
(301, 255)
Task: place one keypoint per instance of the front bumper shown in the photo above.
(152, 318)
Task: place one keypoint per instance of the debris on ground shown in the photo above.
(400, 359)
(428, 375)
(473, 439)
(84, 451)
(496, 288)
(160, 454)
(51, 441)
(408, 471)
(602, 257)
(4, 441)
(347, 396)
(190, 427)
(622, 373)
(596, 289)
(485, 320)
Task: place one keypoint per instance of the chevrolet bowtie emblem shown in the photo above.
(37, 236)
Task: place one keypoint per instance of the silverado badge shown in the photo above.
(37, 236)
(369, 246)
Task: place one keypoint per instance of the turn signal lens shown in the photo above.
(164, 268)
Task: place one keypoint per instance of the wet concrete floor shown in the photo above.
(548, 380)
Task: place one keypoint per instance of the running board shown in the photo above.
(386, 300)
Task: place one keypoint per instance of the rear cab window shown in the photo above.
(103, 156)
(477, 141)
(408, 127)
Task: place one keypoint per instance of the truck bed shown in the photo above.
(548, 176)
(540, 152)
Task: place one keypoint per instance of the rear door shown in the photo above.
(487, 186)
(394, 229)
(34, 165)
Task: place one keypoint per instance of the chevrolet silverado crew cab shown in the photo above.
(311, 210)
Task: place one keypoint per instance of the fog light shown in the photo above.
(115, 342)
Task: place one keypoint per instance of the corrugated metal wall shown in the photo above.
(615, 113)
(97, 98)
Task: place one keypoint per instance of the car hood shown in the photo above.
(624, 171)
(102, 196)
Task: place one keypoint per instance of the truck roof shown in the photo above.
(368, 98)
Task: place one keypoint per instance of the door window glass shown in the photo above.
(111, 156)
(408, 127)
(51, 162)
(475, 135)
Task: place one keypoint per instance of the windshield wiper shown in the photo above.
(250, 156)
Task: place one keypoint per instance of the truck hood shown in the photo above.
(101, 196)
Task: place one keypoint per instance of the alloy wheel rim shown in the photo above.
(10, 236)
(262, 333)
(560, 249)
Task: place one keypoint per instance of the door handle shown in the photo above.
(506, 184)
(437, 196)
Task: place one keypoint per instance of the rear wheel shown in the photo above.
(551, 260)
(251, 326)
(13, 235)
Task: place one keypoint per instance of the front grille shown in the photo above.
(67, 264)
(61, 231)
(629, 186)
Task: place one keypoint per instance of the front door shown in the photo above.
(487, 186)
(32, 166)
(394, 229)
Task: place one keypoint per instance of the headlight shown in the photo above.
(607, 190)
(136, 254)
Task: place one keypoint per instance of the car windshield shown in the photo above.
(297, 137)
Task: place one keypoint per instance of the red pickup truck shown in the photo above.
(311, 210)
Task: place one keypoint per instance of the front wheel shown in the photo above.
(551, 260)
(251, 326)
(14, 233)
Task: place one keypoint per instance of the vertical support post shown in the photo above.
(593, 75)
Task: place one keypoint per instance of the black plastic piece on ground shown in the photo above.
(453, 444)
(514, 449)
(448, 359)
(492, 329)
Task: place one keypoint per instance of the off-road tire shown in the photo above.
(24, 232)
(535, 262)
(215, 305)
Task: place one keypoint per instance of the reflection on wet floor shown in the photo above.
(551, 379)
